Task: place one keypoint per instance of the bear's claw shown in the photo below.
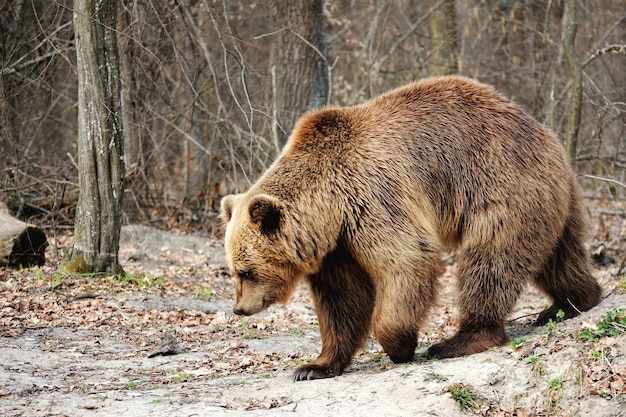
(309, 372)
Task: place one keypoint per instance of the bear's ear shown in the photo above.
(226, 211)
(266, 212)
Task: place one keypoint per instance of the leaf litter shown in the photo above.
(161, 338)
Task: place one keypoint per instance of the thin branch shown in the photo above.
(315, 49)
(14, 68)
(183, 132)
(610, 49)
(197, 37)
(611, 180)
(409, 32)
(276, 32)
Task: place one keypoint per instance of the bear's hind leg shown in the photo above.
(566, 276)
(344, 300)
(489, 283)
(471, 338)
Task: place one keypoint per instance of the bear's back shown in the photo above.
(447, 128)
(454, 113)
(452, 141)
(459, 117)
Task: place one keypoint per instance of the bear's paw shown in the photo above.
(314, 371)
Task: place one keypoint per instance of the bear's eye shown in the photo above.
(247, 275)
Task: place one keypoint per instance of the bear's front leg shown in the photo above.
(402, 302)
(343, 332)
(344, 300)
(319, 369)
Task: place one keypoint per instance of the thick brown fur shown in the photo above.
(363, 200)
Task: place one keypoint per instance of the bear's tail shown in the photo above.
(566, 276)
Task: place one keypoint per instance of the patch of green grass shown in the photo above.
(533, 359)
(142, 281)
(464, 396)
(535, 364)
(551, 324)
(433, 376)
(610, 325)
(249, 330)
(130, 385)
(252, 335)
(556, 383)
(156, 401)
(126, 278)
(157, 281)
(203, 293)
(295, 362)
(38, 273)
(515, 343)
(238, 383)
(58, 278)
(377, 356)
(297, 332)
(588, 335)
(182, 377)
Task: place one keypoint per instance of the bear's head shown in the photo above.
(257, 251)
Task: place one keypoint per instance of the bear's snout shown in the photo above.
(238, 311)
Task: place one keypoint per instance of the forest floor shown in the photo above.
(161, 340)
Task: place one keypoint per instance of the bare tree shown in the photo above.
(205, 81)
(100, 151)
(300, 65)
(570, 26)
(443, 29)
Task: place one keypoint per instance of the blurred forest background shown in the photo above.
(211, 88)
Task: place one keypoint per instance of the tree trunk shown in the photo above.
(574, 109)
(445, 39)
(100, 140)
(127, 114)
(300, 63)
(21, 244)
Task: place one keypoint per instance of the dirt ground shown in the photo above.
(161, 340)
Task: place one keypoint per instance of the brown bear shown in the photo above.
(363, 200)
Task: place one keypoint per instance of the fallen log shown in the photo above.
(21, 244)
